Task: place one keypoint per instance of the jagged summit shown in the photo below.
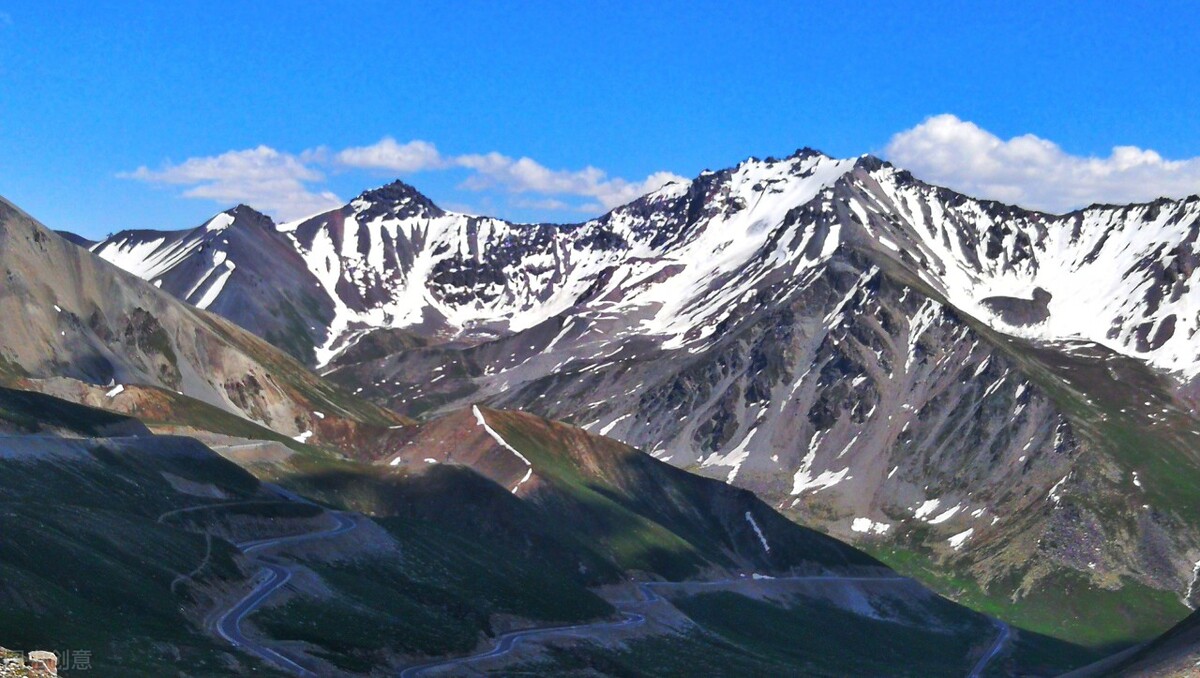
(248, 215)
(400, 198)
(871, 163)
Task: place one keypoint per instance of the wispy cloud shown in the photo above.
(1035, 172)
(497, 171)
(287, 184)
(261, 177)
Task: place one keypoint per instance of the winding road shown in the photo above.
(1001, 638)
(272, 577)
(506, 642)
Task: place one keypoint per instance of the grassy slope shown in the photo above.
(30, 412)
(165, 410)
(1070, 606)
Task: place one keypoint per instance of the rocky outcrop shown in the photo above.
(37, 664)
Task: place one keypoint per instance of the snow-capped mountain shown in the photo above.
(897, 363)
(1120, 277)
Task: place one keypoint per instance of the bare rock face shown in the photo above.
(87, 321)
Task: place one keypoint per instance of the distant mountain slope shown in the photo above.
(236, 265)
(644, 514)
(76, 239)
(969, 389)
(87, 321)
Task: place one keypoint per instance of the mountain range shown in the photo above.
(997, 400)
(394, 437)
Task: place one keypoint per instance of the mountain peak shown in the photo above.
(243, 209)
(403, 199)
(807, 152)
(871, 163)
(239, 216)
(396, 191)
(245, 215)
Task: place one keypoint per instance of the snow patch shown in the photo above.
(945, 515)
(1054, 494)
(496, 436)
(957, 540)
(926, 508)
(866, 525)
(761, 537)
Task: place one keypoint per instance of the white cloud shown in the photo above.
(286, 184)
(497, 171)
(414, 156)
(1034, 172)
(261, 177)
(525, 175)
(548, 204)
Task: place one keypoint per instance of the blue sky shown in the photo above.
(221, 100)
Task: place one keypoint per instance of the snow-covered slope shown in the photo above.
(393, 259)
(682, 257)
(1120, 276)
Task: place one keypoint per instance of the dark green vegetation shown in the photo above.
(1174, 653)
(454, 573)
(740, 636)
(436, 579)
(594, 511)
(1068, 606)
(692, 653)
(83, 553)
(654, 517)
(440, 596)
(818, 638)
